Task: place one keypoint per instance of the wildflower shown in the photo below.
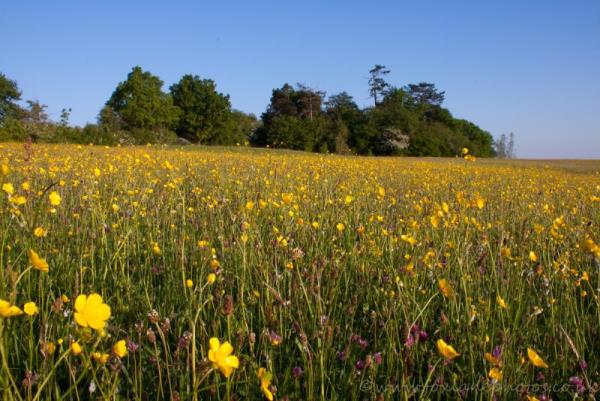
(8, 310)
(120, 348)
(265, 381)
(445, 288)
(50, 348)
(17, 200)
(495, 374)
(76, 348)
(30, 308)
(465, 151)
(156, 248)
(340, 227)
(275, 338)
(348, 200)
(189, 283)
(500, 301)
(536, 359)
(37, 262)
(446, 350)
(480, 202)
(249, 205)
(100, 357)
(91, 311)
(532, 256)
(40, 232)
(212, 277)
(54, 198)
(8, 188)
(494, 357)
(220, 355)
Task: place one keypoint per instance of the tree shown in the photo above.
(505, 146)
(377, 84)
(308, 101)
(9, 95)
(204, 112)
(425, 93)
(293, 119)
(139, 103)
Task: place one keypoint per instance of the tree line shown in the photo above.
(407, 120)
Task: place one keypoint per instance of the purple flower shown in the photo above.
(377, 358)
(360, 364)
(577, 383)
(297, 372)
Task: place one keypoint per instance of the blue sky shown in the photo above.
(530, 67)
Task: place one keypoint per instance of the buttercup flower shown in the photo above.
(536, 359)
(447, 351)
(8, 310)
(76, 348)
(265, 381)
(120, 348)
(30, 308)
(54, 198)
(37, 262)
(91, 311)
(220, 355)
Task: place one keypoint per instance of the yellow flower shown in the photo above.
(120, 348)
(37, 262)
(8, 188)
(506, 252)
(445, 288)
(91, 311)
(50, 348)
(495, 374)
(100, 357)
(532, 256)
(249, 205)
(189, 283)
(220, 355)
(465, 151)
(532, 398)
(340, 227)
(500, 301)
(54, 198)
(8, 310)
(446, 350)
(348, 200)
(18, 200)
(155, 248)
(265, 381)
(40, 232)
(492, 359)
(30, 308)
(536, 359)
(76, 348)
(212, 277)
(480, 202)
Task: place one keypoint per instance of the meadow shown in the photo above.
(164, 273)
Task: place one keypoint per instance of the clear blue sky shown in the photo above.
(531, 67)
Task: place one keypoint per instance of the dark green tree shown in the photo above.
(9, 95)
(205, 113)
(139, 103)
(377, 83)
(425, 93)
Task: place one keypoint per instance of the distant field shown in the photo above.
(239, 273)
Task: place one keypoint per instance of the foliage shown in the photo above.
(138, 103)
(204, 112)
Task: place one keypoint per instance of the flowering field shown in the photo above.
(151, 273)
